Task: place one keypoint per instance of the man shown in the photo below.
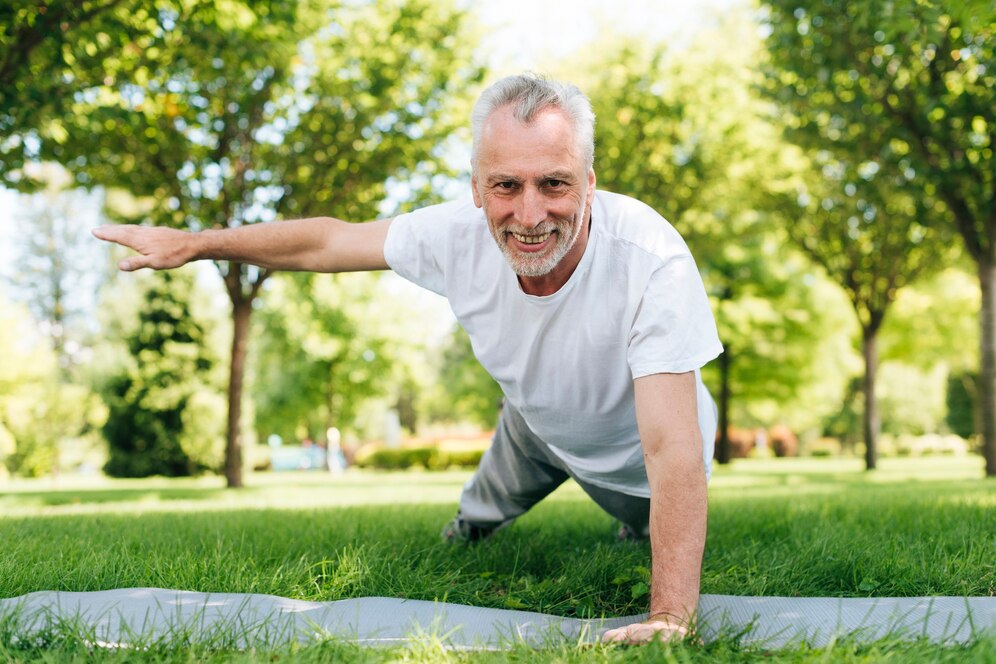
(586, 307)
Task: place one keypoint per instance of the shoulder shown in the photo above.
(633, 226)
(460, 212)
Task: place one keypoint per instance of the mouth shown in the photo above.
(539, 238)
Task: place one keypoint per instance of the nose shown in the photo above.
(531, 209)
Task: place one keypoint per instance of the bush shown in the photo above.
(463, 458)
(824, 447)
(741, 442)
(45, 416)
(930, 444)
(401, 458)
(782, 441)
(963, 389)
(147, 401)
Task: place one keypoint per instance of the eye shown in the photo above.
(555, 184)
(506, 185)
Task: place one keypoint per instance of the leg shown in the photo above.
(515, 473)
(632, 511)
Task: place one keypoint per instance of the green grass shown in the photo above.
(776, 527)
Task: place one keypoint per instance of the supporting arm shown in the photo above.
(667, 416)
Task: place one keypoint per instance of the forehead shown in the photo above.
(546, 143)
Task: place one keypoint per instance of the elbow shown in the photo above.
(680, 456)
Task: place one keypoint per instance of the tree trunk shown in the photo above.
(872, 424)
(241, 312)
(722, 453)
(986, 406)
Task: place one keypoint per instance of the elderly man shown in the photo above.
(585, 306)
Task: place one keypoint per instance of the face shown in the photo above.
(536, 193)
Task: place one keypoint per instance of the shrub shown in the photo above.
(930, 444)
(782, 441)
(824, 447)
(463, 458)
(741, 442)
(401, 458)
(147, 401)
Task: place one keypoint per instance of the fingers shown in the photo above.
(158, 248)
(102, 232)
(645, 632)
(120, 235)
(117, 234)
(132, 264)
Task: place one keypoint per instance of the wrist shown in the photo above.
(673, 621)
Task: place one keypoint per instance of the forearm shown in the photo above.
(678, 507)
(320, 244)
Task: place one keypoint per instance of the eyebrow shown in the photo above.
(567, 176)
(495, 178)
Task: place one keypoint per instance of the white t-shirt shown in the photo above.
(634, 306)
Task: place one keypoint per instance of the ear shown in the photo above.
(591, 183)
(478, 201)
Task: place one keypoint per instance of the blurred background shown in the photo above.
(829, 164)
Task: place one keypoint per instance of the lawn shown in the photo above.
(798, 527)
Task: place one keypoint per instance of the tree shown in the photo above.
(48, 51)
(870, 229)
(467, 391)
(232, 113)
(39, 411)
(318, 357)
(681, 132)
(57, 270)
(931, 329)
(148, 400)
(912, 83)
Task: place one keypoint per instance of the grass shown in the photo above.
(777, 527)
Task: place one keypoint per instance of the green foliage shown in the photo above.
(908, 82)
(431, 458)
(934, 321)
(57, 268)
(912, 400)
(227, 112)
(38, 412)
(46, 48)
(240, 112)
(322, 351)
(962, 393)
(466, 391)
(683, 132)
(147, 402)
(895, 99)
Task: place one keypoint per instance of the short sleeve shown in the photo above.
(412, 248)
(674, 330)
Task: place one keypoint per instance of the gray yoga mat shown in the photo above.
(118, 617)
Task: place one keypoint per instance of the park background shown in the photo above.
(829, 164)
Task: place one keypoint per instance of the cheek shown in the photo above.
(497, 208)
(569, 206)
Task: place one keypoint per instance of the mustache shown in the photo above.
(549, 226)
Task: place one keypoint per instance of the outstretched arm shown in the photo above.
(321, 244)
(667, 417)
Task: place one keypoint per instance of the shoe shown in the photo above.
(629, 534)
(459, 530)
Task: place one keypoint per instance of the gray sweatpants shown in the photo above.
(519, 470)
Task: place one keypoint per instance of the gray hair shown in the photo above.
(529, 94)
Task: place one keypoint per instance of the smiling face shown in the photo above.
(536, 192)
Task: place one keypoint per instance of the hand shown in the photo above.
(645, 632)
(159, 248)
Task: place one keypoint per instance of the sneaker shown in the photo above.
(629, 534)
(459, 530)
